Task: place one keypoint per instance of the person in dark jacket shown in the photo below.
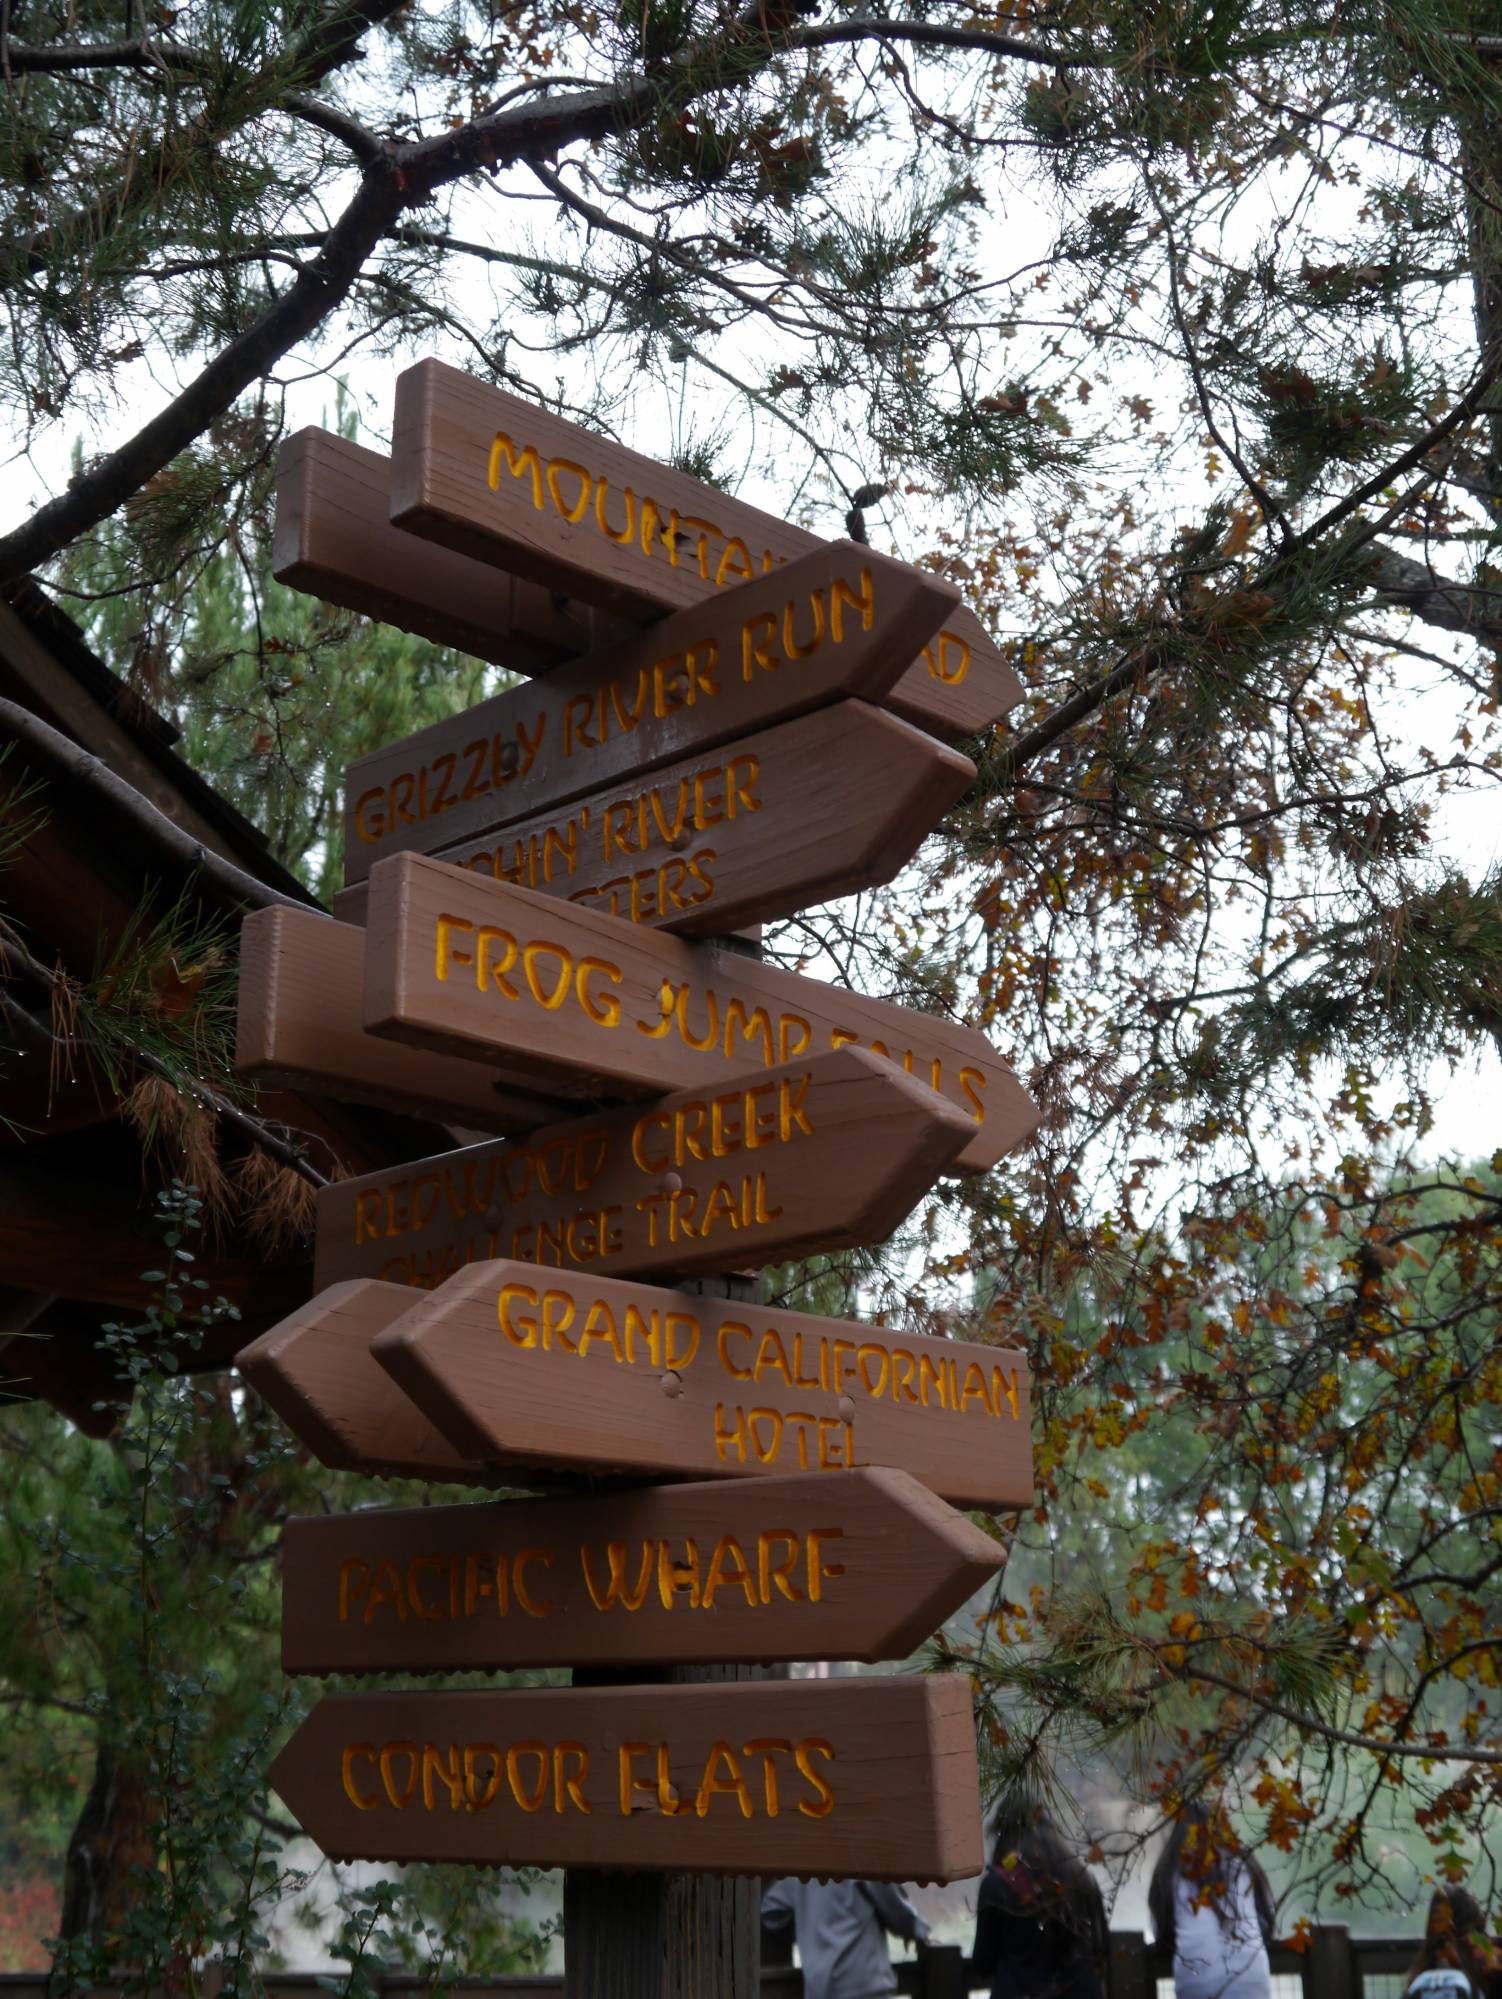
(1040, 1920)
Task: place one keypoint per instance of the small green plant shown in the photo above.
(139, 1611)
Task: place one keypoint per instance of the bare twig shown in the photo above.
(366, 147)
(935, 35)
(1456, 1752)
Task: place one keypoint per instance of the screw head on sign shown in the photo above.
(671, 1183)
(846, 1408)
(672, 1382)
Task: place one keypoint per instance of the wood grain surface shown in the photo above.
(873, 1778)
(316, 1371)
(827, 805)
(300, 1022)
(334, 539)
(837, 622)
(861, 1567)
(572, 998)
(517, 1364)
(503, 480)
(810, 1156)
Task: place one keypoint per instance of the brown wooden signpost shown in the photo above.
(316, 1370)
(513, 1363)
(800, 1159)
(731, 725)
(836, 623)
(483, 472)
(812, 809)
(860, 1567)
(871, 1777)
(521, 1367)
(334, 538)
(301, 1022)
(577, 1000)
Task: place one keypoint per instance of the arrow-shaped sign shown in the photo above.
(301, 1022)
(334, 539)
(316, 1371)
(861, 1567)
(873, 1778)
(838, 622)
(500, 479)
(513, 1363)
(810, 1156)
(826, 805)
(525, 1372)
(570, 997)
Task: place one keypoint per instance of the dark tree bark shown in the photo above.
(111, 1839)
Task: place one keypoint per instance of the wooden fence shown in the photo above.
(1335, 1965)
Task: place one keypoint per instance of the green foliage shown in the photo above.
(139, 1611)
(274, 692)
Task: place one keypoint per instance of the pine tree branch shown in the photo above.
(935, 34)
(403, 176)
(366, 147)
(654, 246)
(335, 40)
(16, 960)
(94, 493)
(138, 54)
(1457, 1752)
(1453, 607)
(1271, 511)
(1465, 408)
(1136, 665)
(326, 46)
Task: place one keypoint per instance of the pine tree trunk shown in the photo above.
(109, 1843)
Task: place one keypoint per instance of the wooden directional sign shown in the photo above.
(825, 1153)
(523, 1370)
(300, 1022)
(573, 998)
(837, 622)
(504, 481)
(873, 1778)
(513, 1363)
(316, 1371)
(828, 805)
(861, 1567)
(334, 539)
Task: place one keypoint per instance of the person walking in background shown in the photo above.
(1458, 1959)
(841, 1929)
(1040, 1919)
(1212, 1906)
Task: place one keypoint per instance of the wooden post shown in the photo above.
(1328, 1970)
(666, 1936)
(1129, 1970)
(941, 1972)
(662, 1936)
